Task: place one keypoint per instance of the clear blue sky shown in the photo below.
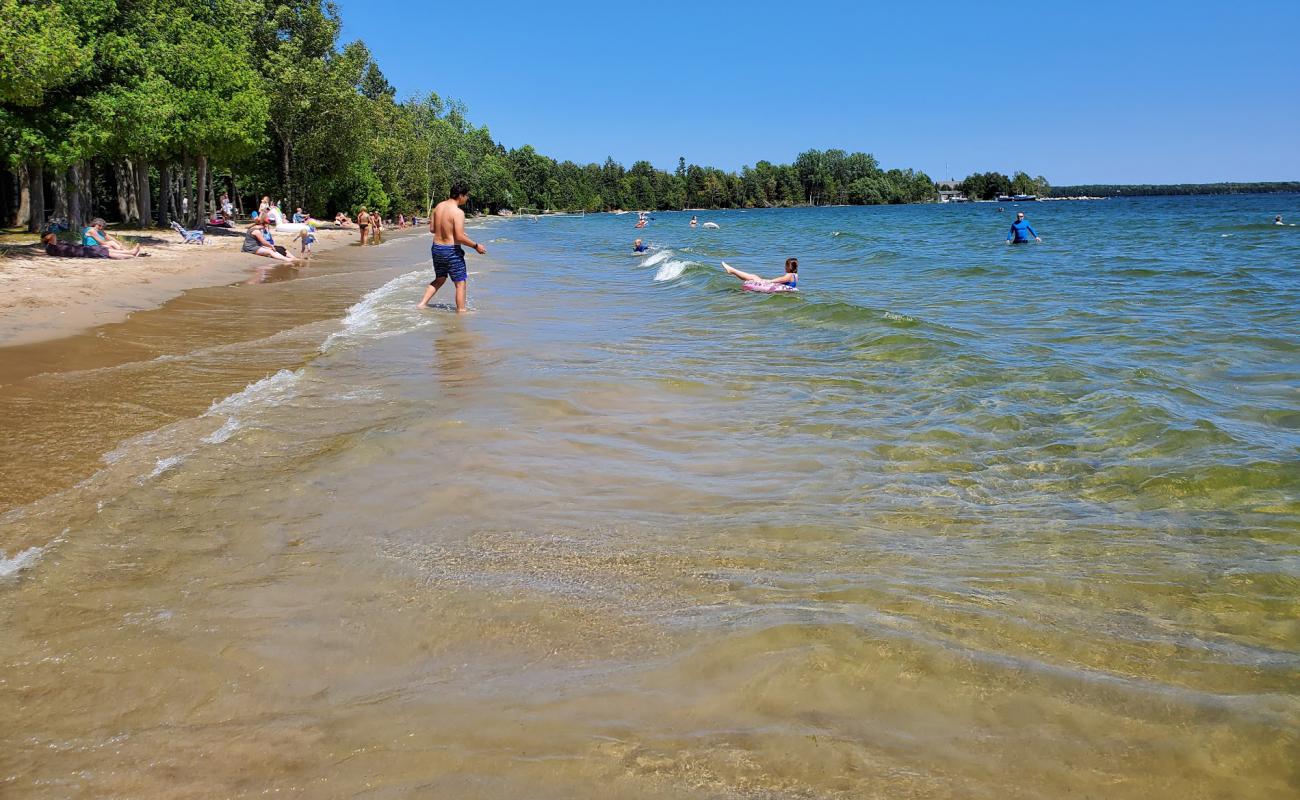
(1098, 92)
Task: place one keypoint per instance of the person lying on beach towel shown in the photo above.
(53, 247)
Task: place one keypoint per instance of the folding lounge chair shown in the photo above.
(189, 237)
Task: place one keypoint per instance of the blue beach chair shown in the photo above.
(189, 237)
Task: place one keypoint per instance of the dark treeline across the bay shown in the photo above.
(1150, 189)
(146, 111)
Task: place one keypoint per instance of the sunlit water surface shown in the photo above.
(956, 519)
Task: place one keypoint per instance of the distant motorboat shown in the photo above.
(1016, 198)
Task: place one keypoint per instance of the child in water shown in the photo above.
(789, 279)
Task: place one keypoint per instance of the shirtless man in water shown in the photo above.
(448, 229)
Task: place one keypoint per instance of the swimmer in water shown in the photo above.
(694, 221)
(790, 278)
(1278, 220)
(1021, 231)
(640, 247)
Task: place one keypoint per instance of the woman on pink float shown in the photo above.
(789, 282)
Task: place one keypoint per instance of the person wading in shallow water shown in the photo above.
(1020, 231)
(448, 229)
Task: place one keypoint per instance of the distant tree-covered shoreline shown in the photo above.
(1153, 189)
(146, 111)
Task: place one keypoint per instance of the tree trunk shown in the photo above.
(23, 208)
(59, 183)
(36, 193)
(234, 196)
(201, 191)
(186, 181)
(164, 194)
(143, 204)
(87, 188)
(284, 172)
(76, 216)
(124, 180)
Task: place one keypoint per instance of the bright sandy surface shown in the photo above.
(43, 298)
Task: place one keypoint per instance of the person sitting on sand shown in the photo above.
(640, 247)
(53, 247)
(1021, 231)
(342, 220)
(94, 236)
(259, 242)
(790, 278)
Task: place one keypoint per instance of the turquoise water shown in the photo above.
(956, 519)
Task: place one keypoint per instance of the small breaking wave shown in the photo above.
(657, 258)
(370, 314)
(671, 270)
(21, 561)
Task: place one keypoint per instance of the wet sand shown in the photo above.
(44, 298)
(68, 401)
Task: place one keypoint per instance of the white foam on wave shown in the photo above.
(21, 561)
(656, 258)
(271, 390)
(369, 315)
(671, 270)
(223, 433)
(164, 464)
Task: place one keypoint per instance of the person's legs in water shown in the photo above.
(744, 276)
(448, 262)
(434, 286)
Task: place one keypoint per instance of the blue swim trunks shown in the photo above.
(449, 262)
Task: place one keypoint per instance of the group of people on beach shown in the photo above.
(95, 243)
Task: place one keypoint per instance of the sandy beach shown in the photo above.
(44, 298)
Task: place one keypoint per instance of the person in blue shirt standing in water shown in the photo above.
(1021, 231)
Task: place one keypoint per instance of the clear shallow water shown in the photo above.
(957, 518)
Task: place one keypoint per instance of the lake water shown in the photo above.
(956, 519)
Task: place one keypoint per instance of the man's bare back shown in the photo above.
(448, 221)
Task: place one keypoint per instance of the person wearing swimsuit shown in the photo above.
(789, 279)
(258, 241)
(363, 222)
